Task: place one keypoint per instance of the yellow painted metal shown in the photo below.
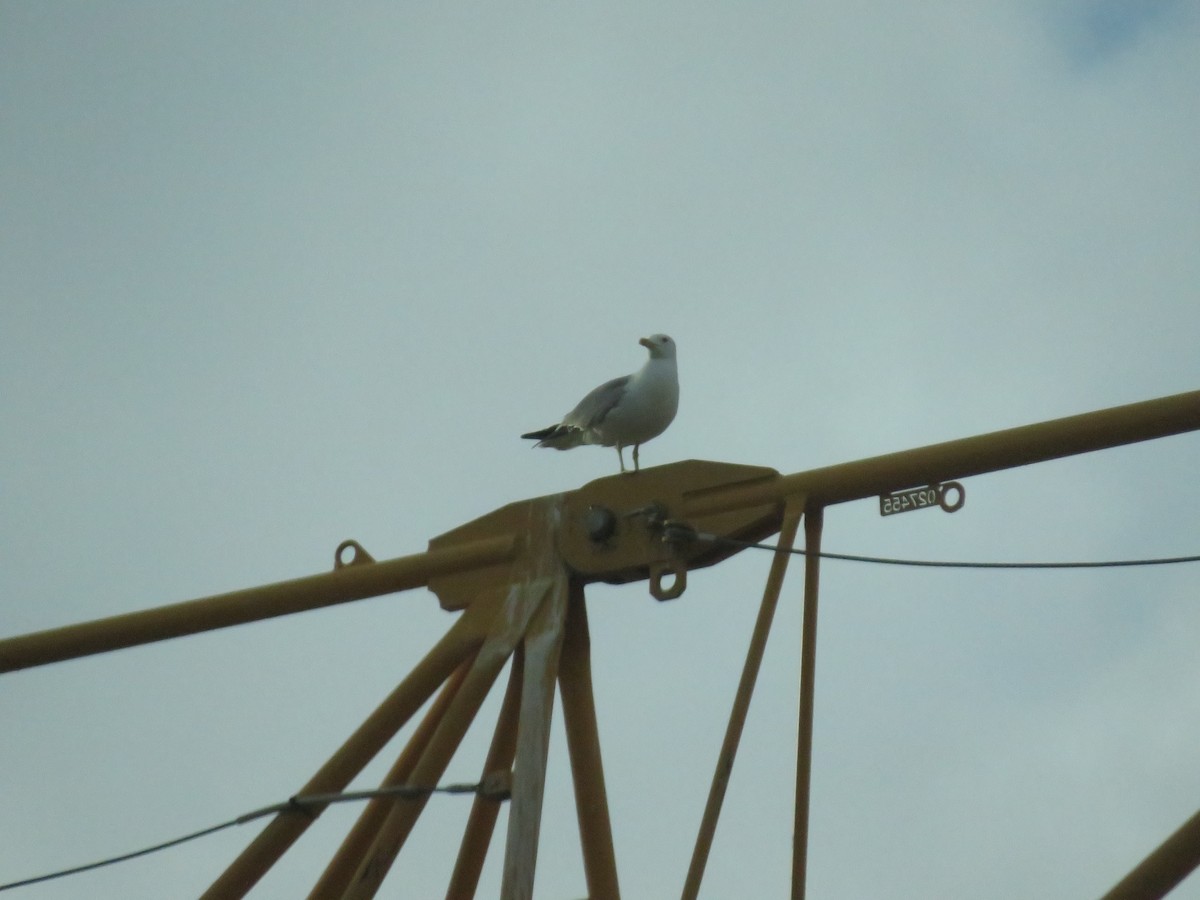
(583, 747)
(349, 582)
(733, 501)
(525, 561)
(534, 597)
(962, 458)
(336, 877)
(481, 823)
(459, 588)
(543, 644)
(793, 510)
(1160, 872)
(462, 640)
(523, 602)
(634, 549)
(813, 519)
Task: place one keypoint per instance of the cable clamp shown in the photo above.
(677, 533)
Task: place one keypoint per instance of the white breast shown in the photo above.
(648, 407)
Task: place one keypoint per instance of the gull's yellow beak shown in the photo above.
(645, 342)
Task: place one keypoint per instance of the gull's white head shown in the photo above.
(659, 345)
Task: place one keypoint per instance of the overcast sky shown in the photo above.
(276, 275)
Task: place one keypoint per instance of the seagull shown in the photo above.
(624, 412)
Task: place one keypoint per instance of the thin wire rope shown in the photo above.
(303, 803)
(950, 564)
(673, 531)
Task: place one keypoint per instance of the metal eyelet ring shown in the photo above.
(678, 585)
(350, 553)
(951, 505)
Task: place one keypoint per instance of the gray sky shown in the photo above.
(278, 275)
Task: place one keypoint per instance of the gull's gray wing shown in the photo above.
(599, 403)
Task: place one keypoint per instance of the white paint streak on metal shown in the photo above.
(543, 642)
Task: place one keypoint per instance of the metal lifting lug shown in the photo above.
(674, 567)
(350, 553)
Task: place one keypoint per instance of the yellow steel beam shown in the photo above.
(741, 701)
(481, 823)
(731, 501)
(535, 548)
(539, 586)
(632, 548)
(1158, 874)
(813, 519)
(962, 458)
(462, 640)
(524, 600)
(583, 747)
(345, 862)
(543, 644)
(352, 582)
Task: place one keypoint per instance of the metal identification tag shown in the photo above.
(949, 496)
